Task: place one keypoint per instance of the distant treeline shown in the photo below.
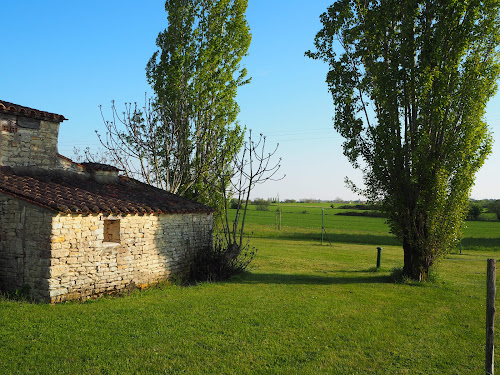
(479, 210)
(484, 210)
(305, 200)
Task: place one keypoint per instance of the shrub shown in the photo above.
(494, 207)
(474, 211)
(218, 262)
(234, 204)
(261, 205)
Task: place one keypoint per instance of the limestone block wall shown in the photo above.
(58, 257)
(28, 142)
(86, 260)
(25, 232)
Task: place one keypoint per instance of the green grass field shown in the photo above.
(305, 308)
(303, 222)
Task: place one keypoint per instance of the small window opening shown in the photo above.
(112, 230)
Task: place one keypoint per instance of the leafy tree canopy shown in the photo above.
(410, 81)
(195, 75)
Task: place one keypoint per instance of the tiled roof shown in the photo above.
(15, 109)
(99, 167)
(72, 193)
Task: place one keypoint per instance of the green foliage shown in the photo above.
(22, 294)
(474, 211)
(262, 207)
(261, 204)
(234, 204)
(195, 75)
(218, 262)
(410, 86)
(494, 207)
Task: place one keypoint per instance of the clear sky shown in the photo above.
(69, 57)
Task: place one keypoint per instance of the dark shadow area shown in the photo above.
(25, 256)
(468, 242)
(276, 278)
(368, 270)
(377, 240)
(360, 239)
(466, 255)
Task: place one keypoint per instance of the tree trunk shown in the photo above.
(416, 266)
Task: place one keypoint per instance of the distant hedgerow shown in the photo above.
(363, 213)
(358, 207)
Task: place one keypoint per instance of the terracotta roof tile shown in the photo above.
(15, 109)
(71, 193)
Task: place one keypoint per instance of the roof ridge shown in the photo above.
(11, 108)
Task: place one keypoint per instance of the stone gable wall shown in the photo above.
(24, 146)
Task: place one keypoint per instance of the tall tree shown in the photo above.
(410, 80)
(195, 75)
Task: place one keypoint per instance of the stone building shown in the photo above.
(71, 231)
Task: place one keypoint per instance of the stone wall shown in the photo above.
(58, 257)
(25, 232)
(28, 142)
(150, 248)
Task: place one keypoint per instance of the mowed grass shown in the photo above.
(303, 221)
(305, 308)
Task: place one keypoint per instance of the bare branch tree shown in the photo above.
(131, 142)
(254, 166)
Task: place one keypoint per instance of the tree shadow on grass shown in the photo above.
(360, 239)
(290, 279)
(376, 240)
(472, 243)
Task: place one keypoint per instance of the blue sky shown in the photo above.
(70, 57)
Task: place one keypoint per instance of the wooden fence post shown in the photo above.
(490, 316)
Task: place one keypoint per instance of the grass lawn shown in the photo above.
(304, 309)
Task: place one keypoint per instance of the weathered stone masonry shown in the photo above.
(26, 143)
(59, 257)
(151, 248)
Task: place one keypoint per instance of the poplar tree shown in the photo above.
(410, 80)
(195, 75)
